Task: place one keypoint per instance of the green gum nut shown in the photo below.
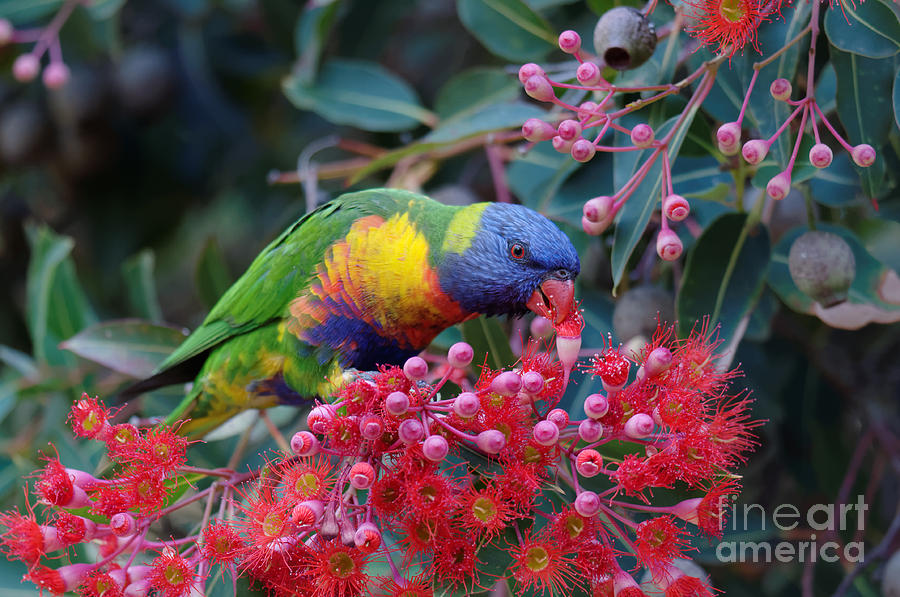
(822, 266)
(624, 38)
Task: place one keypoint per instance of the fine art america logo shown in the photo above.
(825, 519)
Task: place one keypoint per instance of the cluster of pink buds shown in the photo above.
(392, 471)
(582, 135)
(46, 41)
(754, 151)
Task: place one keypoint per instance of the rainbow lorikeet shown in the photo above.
(369, 278)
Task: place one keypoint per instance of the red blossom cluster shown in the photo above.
(395, 489)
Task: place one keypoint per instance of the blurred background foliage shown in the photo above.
(193, 131)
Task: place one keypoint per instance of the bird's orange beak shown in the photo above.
(553, 299)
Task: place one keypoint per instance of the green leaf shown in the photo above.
(879, 235)
(105, 9)
(487, 338)
(310, 35)
(633, 218)
(359, 93)
(508, 28)
(874, 295)
(897, 99)
(27, 11)
(475, 88)
(702, 178)
(21, 362)
(724, 274)
(486, 119)
(837, 185)
(138, 274)
(130, 346)
(865, 28)
(56, 307)
(212, 276)
(863, 107)
(536, 176)
(763, 113)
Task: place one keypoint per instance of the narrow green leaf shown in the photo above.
(141, 288)
(863, 105)
(868, 29)
(21, 362)
(27, 11)
(487, 338)
(724, 274)
(361, 94)
(212, 275)
(130, 346)
(486, 119)
(310, 35)
(475, 88)
(105, 9)
(508, 28)
(56, 306)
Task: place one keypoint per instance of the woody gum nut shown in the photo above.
(668, 245)
(466, 405)
(460, 355)
(639, 426)
(587, 504)
(754, 151)
(491, 441)
(624, 37)
(823, 266)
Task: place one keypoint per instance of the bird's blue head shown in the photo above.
(516, 260)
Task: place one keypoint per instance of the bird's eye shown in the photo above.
(517, 251)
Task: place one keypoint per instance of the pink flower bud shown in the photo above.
(779, 185)
(595, 228)
(596, 406)
(569, 42)
(460, 355)
(367, 538)
(820, 155)
(754, 151)
(545, 433)
(588, 111)
(507, 383)
(26, 67)
(122, 524)
(676, 207)
(318, 418)
(539, 88)
(668, 245)
(532, 382)
(541, 327)
(561, 145)
(863, 155)
(587, 504)
(588, 463)
(536, 130)
(304, 443)
(362, 475)
(639, 426)
(466, 405)
(491, 441)
(56, 75)
(526, 71)
(371, 427)
(410, 431)
(642, 135)
(308, 513)
(435, 448)
(569, 130)
(558, 417)
(396, 403)
(588, 74)
(583, 150)
(658, 361)
(415, 368)
(598, 209)
(729, 138)
(6, 32)
(780, 89)
(590, 430)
